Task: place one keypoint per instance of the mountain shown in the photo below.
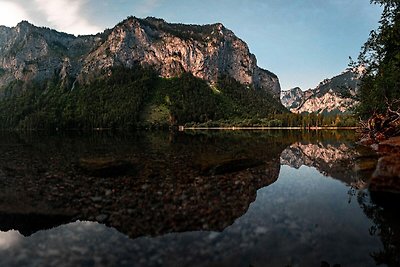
(208, 52)
(331, 96)
(35, 60)
(205, 51)
(292, 98)
(29, 53)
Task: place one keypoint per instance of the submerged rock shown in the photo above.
(105, 167)
(365, 165)
(101, 218)
(386, 177)
(390, 146)
(230, 166)
(161, 191)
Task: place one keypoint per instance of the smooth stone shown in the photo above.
(96, 199)
(230, 166)
(366, 142)
(261, 230)
(365, 165)
(101, 218)
(386, 177)
(390, 146)
(105, 167)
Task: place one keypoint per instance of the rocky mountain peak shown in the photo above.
(292, 98)
(152, 19)
(24, 24)
(207, 51)
(333, 95)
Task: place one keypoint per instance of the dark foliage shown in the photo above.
(105, 103)
(381, 56)
(183, 31)
(119, 101)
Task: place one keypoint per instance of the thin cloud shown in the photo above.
(11, 13)
(65, 15)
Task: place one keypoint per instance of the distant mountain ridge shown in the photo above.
(331, 96)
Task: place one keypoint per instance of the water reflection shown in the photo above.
(333, 159)
(9, 239)
(383, 211)
(208, 199)
(176, 183)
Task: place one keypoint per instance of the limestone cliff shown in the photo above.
(292, 98)
(30, 53)
(209, 52)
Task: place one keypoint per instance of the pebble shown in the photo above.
(101, 218)
(96, 199)
(213, 235)
(261, 230)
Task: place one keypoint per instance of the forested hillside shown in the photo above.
(131, 98)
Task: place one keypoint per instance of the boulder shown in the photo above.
(390, 146)
(386, 177)
(105, 167)
(365, 165)
(230, 166)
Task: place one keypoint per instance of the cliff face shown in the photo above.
(292, 98)
(208, 52)
(335, 95)
(30, 53)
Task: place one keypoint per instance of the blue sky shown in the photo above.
(302, 41)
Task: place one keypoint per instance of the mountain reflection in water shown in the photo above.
(200, 199)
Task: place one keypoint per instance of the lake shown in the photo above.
(207, 198)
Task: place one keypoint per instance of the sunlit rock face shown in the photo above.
(335, 95)
(208, 52)
(292, 98)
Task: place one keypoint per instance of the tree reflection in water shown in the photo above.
(382, 209)
(335, 160)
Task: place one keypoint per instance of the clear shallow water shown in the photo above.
(304, 204)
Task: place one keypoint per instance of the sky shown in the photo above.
(302, 41)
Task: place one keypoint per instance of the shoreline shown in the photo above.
(182, 128)
(234, 128)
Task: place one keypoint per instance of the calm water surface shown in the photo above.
(192, 199)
